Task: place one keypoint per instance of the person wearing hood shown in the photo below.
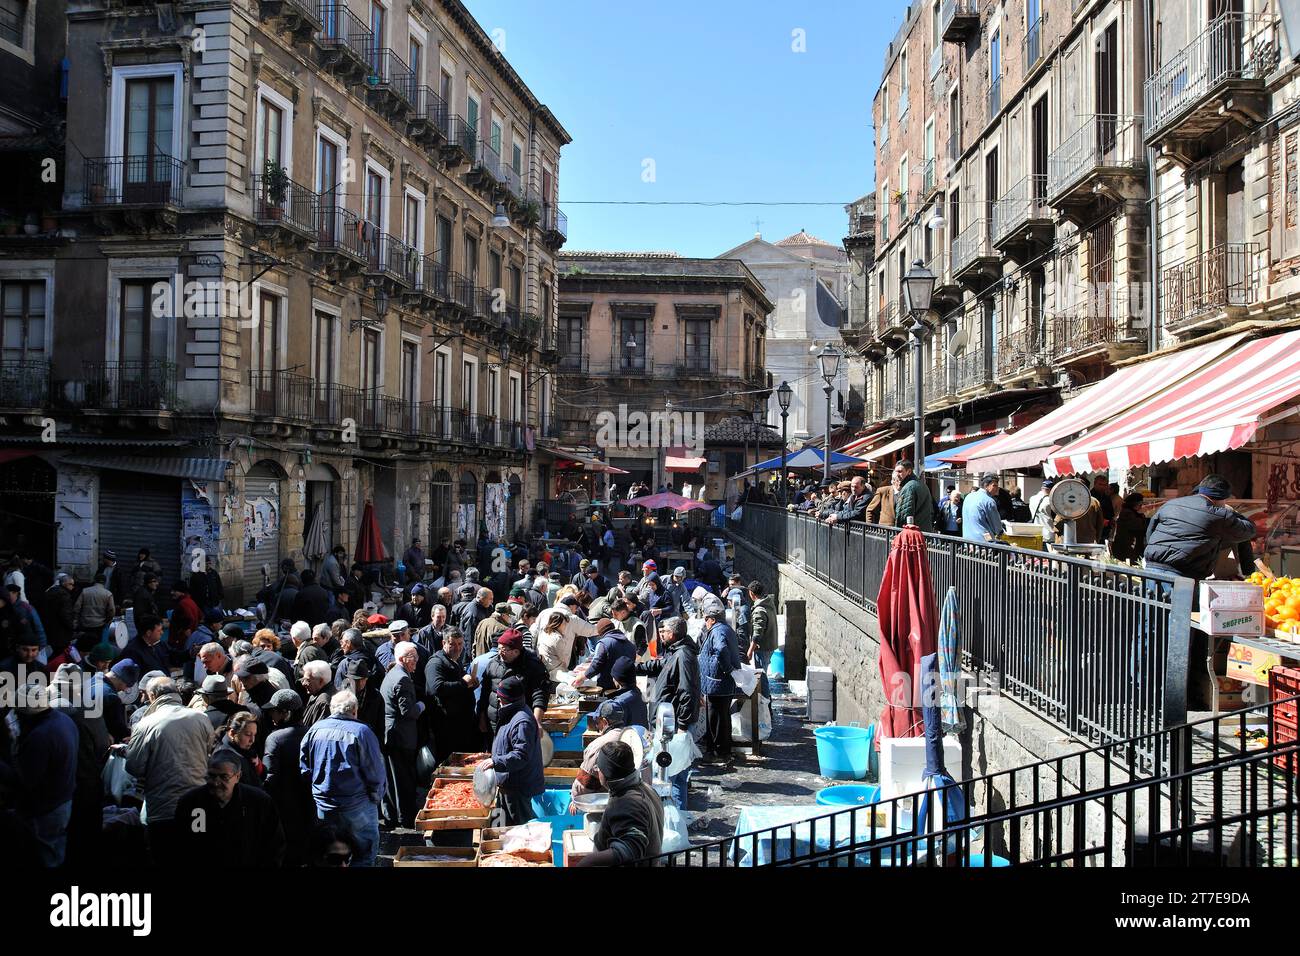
(417, 612)
(677, 593)
(718, 658)
(46, 764)
(632, 826)
(516, 754)
(449, 694)
(108, 686)
(168, 756)
(655, 600)
(615, 642)
(512, 660)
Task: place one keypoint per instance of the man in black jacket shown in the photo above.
(147, 648)
(512, 659)
(56, 612)
(1187, 534)
(449, 693)
(472, 615)
(632, 826)
(677, 682)
(401, 739)
(312, 603)
(240, 824)
(417, 611)
(285, 782)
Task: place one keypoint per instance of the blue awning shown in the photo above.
(954, 458)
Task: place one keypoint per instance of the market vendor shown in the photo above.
(632, 826)
(1187, 535)
(627, 696)
(609, 721)
(616, 642)
(516, 755)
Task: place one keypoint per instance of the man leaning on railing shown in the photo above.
(855, 505)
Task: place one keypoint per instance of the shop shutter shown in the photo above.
(141, 511)
(263, 550)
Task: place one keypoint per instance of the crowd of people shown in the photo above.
(299, 744)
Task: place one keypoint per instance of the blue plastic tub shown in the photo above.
(572, 741)
(977, 860)
(843, 753)
(552, 802)
(776, 666)
(558, 825)
(848, 795)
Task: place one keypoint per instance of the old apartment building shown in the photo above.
(657, 337)
(1089, 180)
(305, 260)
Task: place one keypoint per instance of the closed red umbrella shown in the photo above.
(370, 546)
(909, 626)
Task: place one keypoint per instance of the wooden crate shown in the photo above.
(577, 844)
(441, 783)
(454, 766)
(425, 823)
(436, 856)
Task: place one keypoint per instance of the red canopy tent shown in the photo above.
(909, 628)
(370, 545)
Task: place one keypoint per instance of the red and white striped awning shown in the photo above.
(968, 433)
(1036, 442)
(865, 442)
(1220, 407)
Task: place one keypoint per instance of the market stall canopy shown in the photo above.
(859, 445)
(878, 453)
(807, 458)
(676, 463)
(1218, 408)
(956, 456)
(1032, 445)
(668, 499)
(992, 427)
(585, 461)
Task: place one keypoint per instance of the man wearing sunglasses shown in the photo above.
(227, 820)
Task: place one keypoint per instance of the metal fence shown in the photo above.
(1101, 650)
(1219, 278)
(24, 384)
(1213, 803)
(142, 385)
(153, 179)
(1101, 141)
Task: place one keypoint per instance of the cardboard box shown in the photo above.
(1231, 596)
(1250, 664)
(1229, 621)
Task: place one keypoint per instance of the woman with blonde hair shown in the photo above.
(266, 639)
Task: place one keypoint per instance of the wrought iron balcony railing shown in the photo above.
(1224, 277)
(1087, 330)
(1033, 44)
(1103, 141)
(388, 71)
(24, 384)
(155, 180)
(388, 256)
(1025, 201)
(971, 244)
(1024, 349)
(131, 385)
(343, 31)
(280, 201)
(973, 368)
(554, 220)
(339, 230)
(994, 99)
(279, 394)
(1229, 49)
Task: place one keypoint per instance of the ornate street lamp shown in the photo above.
(829, 360)
(783, 395)
(918, 287)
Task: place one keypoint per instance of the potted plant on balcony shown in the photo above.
(275, 186)
(531, 213)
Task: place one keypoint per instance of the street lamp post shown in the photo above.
(783, 395)
(918, 287)
(829, 360)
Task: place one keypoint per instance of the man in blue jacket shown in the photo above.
(718, 658)
(516, 756)
(340, 756)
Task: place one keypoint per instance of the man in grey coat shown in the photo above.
(168, 755)
(402, 709)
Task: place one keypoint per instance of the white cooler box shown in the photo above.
(902, 762)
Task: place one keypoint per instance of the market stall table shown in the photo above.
(796, 824)
(1271, 642)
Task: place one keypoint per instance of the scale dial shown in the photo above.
(1070, 498)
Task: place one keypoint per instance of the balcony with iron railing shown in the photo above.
(431, 279)
(884, 228)
(1102, 328)
(936, 60)
(973, 257)
(460, 292)
(300, 17)
(344, 39)
(513, 180)
(993, 99)
(573, 362)
(947, 292)
(341, 233)
(25, 383)
(153, 180)
(1024, 350)
(1032, 45)
(904, 101)
(1103, 158)
(555, 225)
(462, 142)
(929, 180)
(703, 365)
(938, 383)
(1216, 79)
(1022, 220)
(387, 257)
(957, 19)
(427, 120)
(131, 385)
(1206, 290)
(281, 202)
(486, 168)
(280, 394)
(954, 147)
(390, 82)
(972, 368)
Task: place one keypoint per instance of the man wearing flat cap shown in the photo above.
(1187, 534)
(632, 826)
(516, 753)
(285, 783)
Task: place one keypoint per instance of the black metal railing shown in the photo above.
(461, 135)
(1212, 799)
(928, 181)
(339, 230)
(1102, 141)
(554, 220)
(154, 180)
(994, 98)
(305, 10)
(697, 365)
(1220, 278)
(388, 71)
(24, 384)
(972, 368)
(1024, 202)
(576, 362)
(133, 385)
(1033, 44)
(487, 159)
(428, 107)
(1231, 48)
(971, 245)
(281, 394)
(460, 291)
(1025, 349)
(1101, 650)
(1076, 332)
(343, 31)
(957, 17)
(433, 278)
(513, 180)
(286, 202)
(388, 256)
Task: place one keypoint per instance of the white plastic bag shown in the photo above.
(746, 678)
(681, 748)
(741, 725)
(117, 782)
(675, 835)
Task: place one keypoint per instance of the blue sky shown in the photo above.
(714, 94)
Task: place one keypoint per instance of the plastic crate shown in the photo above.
(1284, 682)
(1280, 737)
